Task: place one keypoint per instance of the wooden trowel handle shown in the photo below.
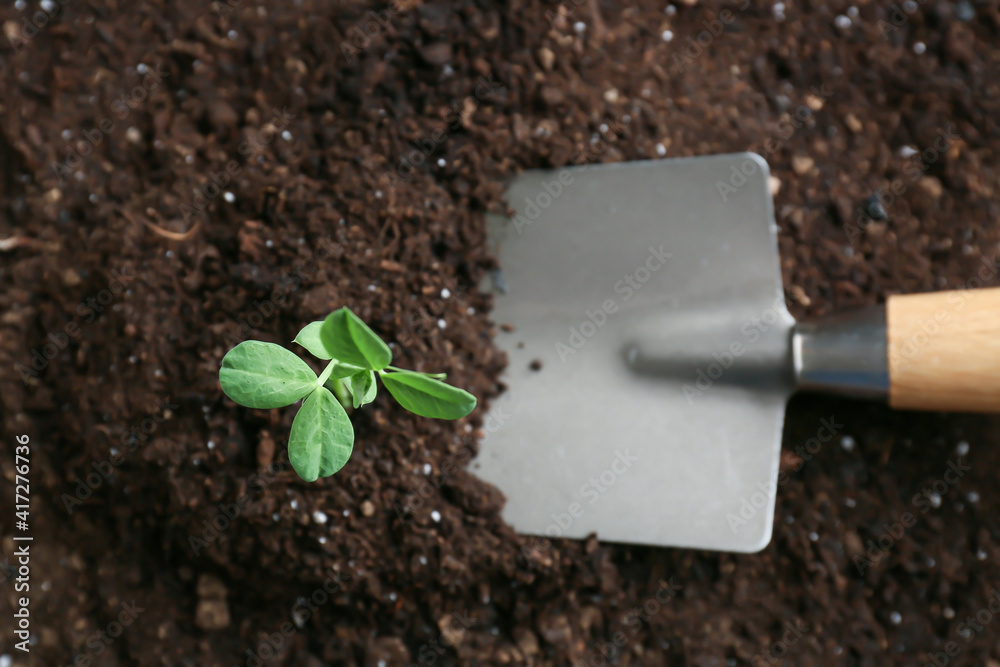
(944, 350)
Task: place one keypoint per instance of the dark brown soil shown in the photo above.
(396, 146)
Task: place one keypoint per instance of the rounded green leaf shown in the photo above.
(428, 397)
(264, 375)
(309, 338)
(351, 341)
(322, 437)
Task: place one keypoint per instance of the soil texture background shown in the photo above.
(178, 176)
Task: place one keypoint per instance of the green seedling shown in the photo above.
(264, 375)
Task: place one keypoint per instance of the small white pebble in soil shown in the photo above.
(169, 254)
(964, 632)
(842, 22)
(973, 496)
(445, 293)
(907, 152)
(393, 596)
(286, 135)
(48, 5)
(371, 288)
(19, 6)
(6, 660)
(670, 10)
(661, 150)
(895, 618)
(442, 324)
(275, 517)
(852, 12)
(962, 448)
(321, 539)
(423, 560)
(847, 442)
(67, 134)
(470, 310)
(232, 34)
(93, 198)
(468, 428)
(948, 612)
(46, 586)
(441, 162)
(579, 26)
(132, 359)
(931, 562)
(919, 48)
(436, 516)
(211, 444)
(347, 512)
(935, 499)
(427, 468)
(269, 243)
(229, 197)
(382, 663)
(294, 504)
(667, 35)
(909, 6)
(319, 517)
(603, 128)
(981, 555)
(378, 194)
(813, 537)
(850, 502)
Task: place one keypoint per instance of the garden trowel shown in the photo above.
(651, 354)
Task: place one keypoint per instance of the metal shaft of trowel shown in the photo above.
(845, 354)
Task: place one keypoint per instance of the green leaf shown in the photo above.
(363, 388)
(264, 375)
(309, 338)
(322, 437)
(428, 397)
(351, 341)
